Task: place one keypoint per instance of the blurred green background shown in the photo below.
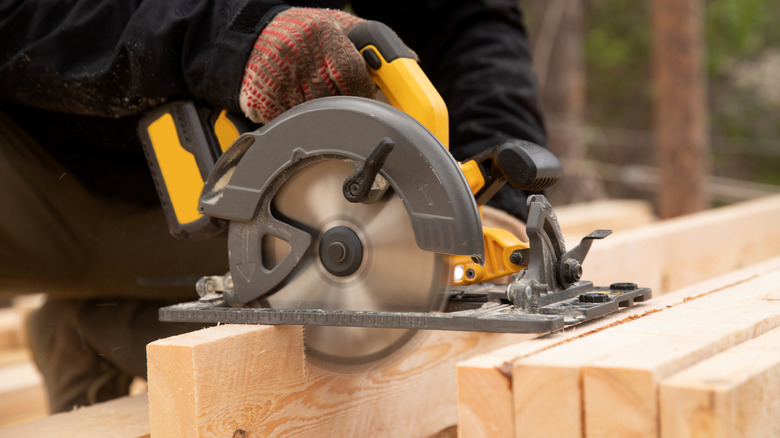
(614, 125)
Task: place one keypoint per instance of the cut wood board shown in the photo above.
(669, 255)
(733, 394)
(485, 401)
(127, 417)
(257, 380)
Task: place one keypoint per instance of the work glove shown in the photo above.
(302, 54)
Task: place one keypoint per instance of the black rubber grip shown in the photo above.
(526, 165)
(374, 33)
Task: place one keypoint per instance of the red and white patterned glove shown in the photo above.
(303, 54)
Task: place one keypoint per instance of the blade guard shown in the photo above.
(443, 213)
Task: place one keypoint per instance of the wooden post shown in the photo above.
(682, 151)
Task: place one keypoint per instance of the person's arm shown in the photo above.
(116, 58)
(477, 55)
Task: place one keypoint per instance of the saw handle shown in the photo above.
(522, 164)
(394, 69)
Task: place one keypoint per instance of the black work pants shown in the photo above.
(105, 265)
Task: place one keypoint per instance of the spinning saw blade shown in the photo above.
(364, 257)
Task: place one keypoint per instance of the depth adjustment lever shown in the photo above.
(358, 186)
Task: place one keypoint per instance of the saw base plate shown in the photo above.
(478, 307)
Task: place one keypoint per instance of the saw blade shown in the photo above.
(388, 272)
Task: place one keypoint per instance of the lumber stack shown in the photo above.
(669, 367)
(625, 377)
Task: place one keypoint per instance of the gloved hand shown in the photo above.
(303, 54)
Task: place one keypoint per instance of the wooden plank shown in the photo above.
(734, 393)
(672, 254)
(13, 333)
(620, 389)
(485, 397)
(480, 414)
(22, 394)
(10, 328)
(24, 305)
(14, 356)
(618, 215)
(256, 379)
(547, 387)
(611, 376)
(127, 417)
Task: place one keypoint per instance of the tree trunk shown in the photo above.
(680, 112)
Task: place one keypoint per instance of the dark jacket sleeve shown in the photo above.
(116, 58)
(477, 55)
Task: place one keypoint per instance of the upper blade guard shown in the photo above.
(437, 197)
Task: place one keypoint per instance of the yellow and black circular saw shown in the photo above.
(350, 216)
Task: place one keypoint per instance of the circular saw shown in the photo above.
(354, 205)
(349, 216)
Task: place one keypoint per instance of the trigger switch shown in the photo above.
(372, 59)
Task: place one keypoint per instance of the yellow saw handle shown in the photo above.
(395, 71)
